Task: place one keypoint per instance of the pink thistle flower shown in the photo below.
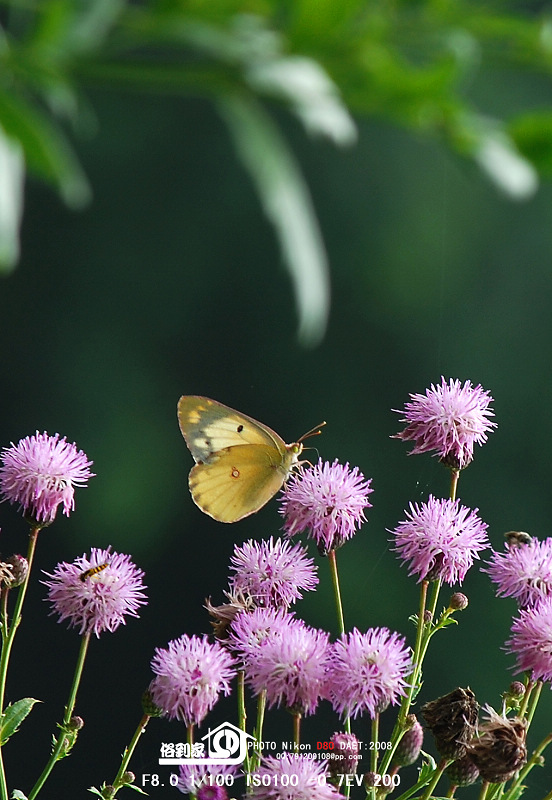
(190, 675)
(523, 572)
(531, 640)
(200, 780)
(440, 539)
(328, 501)
(250, 631)
(291, 667)
(293, 777)
(272, 573)
(367, 671)
(450, 419)
(40, 472)
(96, 593)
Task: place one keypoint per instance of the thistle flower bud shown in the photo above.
(76, 723)
(499, 750)
(128, 777)
(462, 772)
(517, 689)
(409, 747)
(343, 759)
(19, 568)
(458, 601)
(452, 719)
(371, 779)
(148, 706)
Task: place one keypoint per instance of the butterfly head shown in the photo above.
(316, 431)
(297, 447)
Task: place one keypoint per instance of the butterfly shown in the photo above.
(240, 463)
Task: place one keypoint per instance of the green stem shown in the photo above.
(332, 560)
(374, 753)
(484, 790)
(63, 741)
(127, 755)
(436, 777)
(337, 592)
(297, 730)
(374, 740)
(242, 714)
(454, 475)
(533, 701)
(8, 636)
(261, 706)
(190, 740)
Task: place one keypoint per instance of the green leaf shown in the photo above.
(46, 150)
(136, 788)
(13, 716)
(287, 203)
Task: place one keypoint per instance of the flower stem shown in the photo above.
(297, 730)
(67, 735)
(443, 764)
(337, 592)
(242, 714)
(8, 636)
(332, 560)
(261, 706)
(454, 475)
(127, 755)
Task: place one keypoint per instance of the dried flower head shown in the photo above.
(328, 501)
(452, 720)
(531, 640)
(225, 614)
(95, 593)
(499, 750)
(40, 473)
(367, 671)
(449, 419)
(293, 778)
(273, 573)
(190, 675)
(523, 571)
(291, 668)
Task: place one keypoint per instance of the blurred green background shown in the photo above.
(171, 282)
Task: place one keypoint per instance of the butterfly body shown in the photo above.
(240, 463)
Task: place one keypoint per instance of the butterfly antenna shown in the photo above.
(313, 432)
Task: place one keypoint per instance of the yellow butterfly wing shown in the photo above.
(208, 427)
(241, 463)
(239, 480)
